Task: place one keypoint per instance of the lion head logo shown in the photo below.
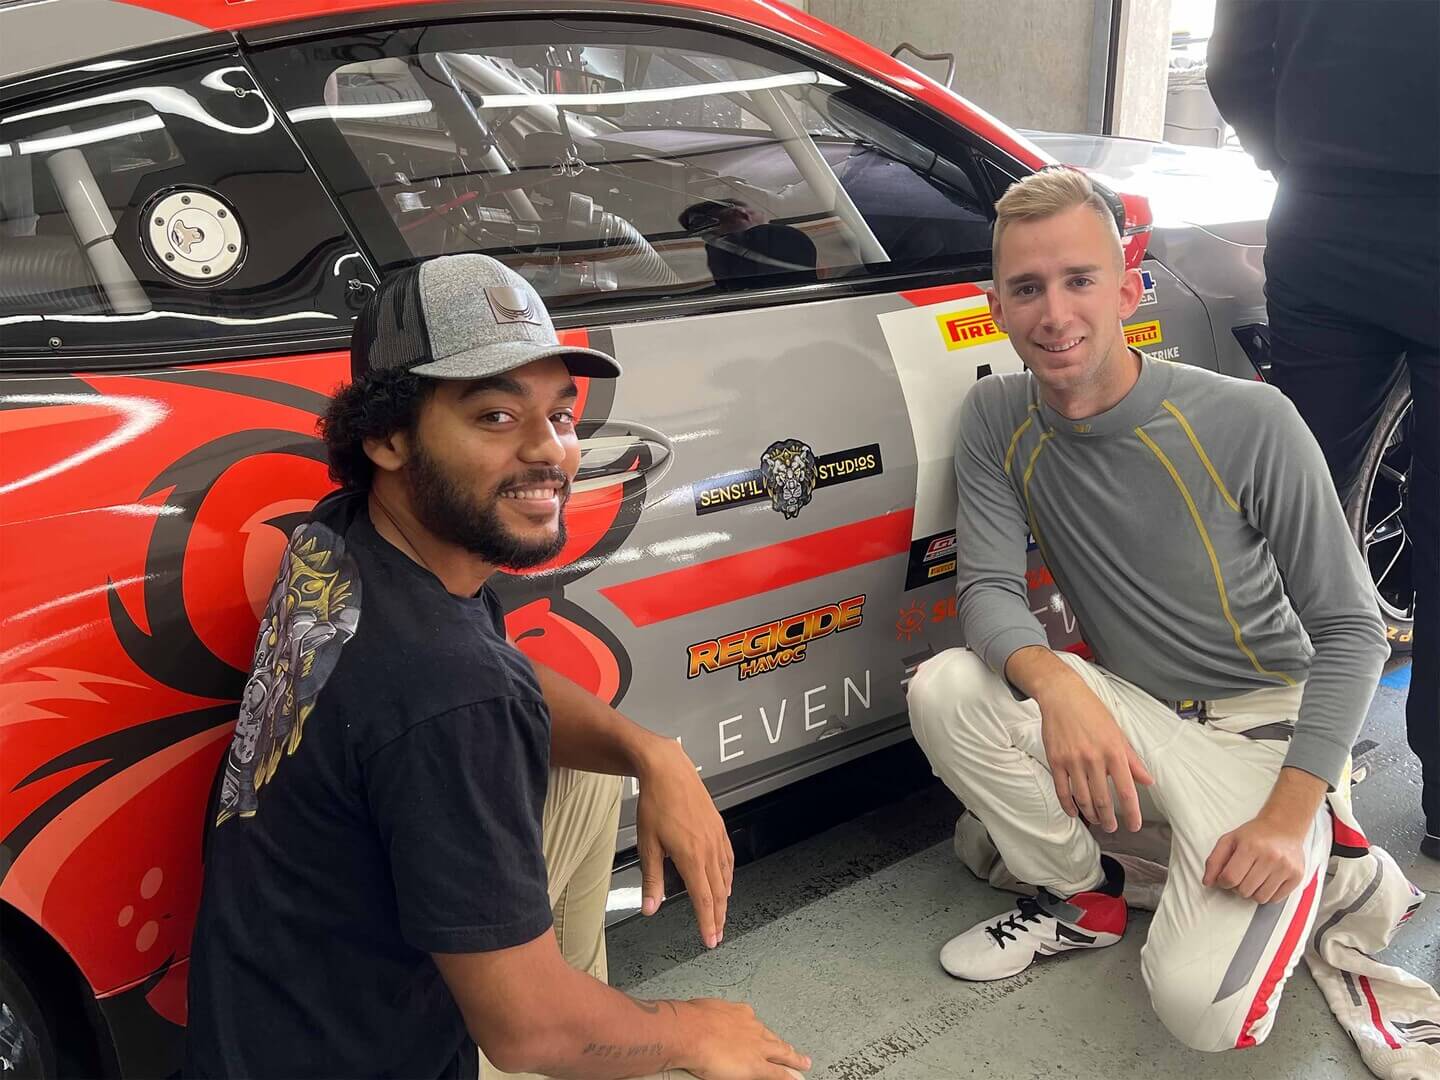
(788, 471)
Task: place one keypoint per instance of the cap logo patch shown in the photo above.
(512, 305)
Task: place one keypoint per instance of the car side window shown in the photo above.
(623, 160)
(169, 210)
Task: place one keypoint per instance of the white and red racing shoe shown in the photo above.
(1043, 925)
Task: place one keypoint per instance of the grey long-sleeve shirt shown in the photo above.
(1195, 533)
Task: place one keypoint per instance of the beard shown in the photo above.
(448, 510)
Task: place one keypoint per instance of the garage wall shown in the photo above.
(1030, 62)
(1026, 61)
(1140, 81)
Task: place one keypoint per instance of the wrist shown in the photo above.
(688, 1038)
(1054, 686)
(650, 754)
(1293, 802)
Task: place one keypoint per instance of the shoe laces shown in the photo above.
(1027, 910)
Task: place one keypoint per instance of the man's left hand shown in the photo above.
(1262, 861)
(676, 817)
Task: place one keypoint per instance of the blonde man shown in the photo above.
(1191, 524)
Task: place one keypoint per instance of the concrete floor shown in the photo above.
(834, 941)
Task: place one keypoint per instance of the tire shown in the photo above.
(1378, 514)
(26, 1049)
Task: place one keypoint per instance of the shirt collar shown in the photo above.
(1136, 407)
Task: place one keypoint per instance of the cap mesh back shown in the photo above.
(390, 330)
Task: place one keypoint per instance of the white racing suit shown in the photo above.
(1215, 964)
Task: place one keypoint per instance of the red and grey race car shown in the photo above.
(782, 233)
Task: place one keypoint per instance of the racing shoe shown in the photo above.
(1043, 925)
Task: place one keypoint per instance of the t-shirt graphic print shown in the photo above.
(313, 610)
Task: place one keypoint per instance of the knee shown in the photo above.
(945, 690)
(1186, 1007)
(585, 796)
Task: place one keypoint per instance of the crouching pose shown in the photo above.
(413, 842)
(1191, 524)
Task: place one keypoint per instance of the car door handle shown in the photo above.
(621, 450)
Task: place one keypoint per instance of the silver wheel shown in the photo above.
(1379, 515)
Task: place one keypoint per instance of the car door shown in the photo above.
(176, 293)
(753, 233)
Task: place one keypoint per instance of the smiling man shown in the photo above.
(415, 830)
(1190, 522)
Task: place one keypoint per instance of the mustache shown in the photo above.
(536, 477)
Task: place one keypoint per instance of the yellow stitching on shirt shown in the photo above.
(1214, 561)
(1015, 438)
(1025, 487)
(1200, 453)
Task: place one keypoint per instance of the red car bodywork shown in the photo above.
(144, 515)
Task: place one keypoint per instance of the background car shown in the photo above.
(782, 233)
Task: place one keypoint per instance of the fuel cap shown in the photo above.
(194, 236)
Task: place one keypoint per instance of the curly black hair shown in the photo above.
(378, 403)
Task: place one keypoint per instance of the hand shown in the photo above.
(1088, 752)
(1263, 860)
(675, 816)
(732, 1044)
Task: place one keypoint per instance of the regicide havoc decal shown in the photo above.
(789, 475)
(764, 648)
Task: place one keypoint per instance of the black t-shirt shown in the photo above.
(381, 801)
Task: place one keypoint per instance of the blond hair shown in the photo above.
(1046, 193)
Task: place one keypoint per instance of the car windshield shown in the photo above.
(598, 167)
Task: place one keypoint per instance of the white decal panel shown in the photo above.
(939, 351)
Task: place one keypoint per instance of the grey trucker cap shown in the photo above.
(462, 317)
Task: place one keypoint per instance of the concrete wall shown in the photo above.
(1026, 61)
(1029, 62)
(1140, 79)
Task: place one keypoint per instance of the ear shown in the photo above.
(389, 453)
(995, 311)
(1131, 290)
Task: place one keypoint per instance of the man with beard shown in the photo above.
(412, 848)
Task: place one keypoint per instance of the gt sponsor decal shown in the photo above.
(789, 474)
(1148, 280)
(761, 649)
(941, 546)
(962, 329)
(932, 558)
(1145, 333)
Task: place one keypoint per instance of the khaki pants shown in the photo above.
(581, 818)
(1215, 963)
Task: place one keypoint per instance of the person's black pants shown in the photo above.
(1354, 292)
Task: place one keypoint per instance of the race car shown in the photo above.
(781, 232)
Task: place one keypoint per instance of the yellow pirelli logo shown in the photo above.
(1145, 333)
(961, 329)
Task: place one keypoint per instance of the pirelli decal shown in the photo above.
(1142, 334)
(790, 472)
(961, 329)
(761, 649)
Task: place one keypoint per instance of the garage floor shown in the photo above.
(834, 941)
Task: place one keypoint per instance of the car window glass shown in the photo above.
(168, 210)
(622, 160)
